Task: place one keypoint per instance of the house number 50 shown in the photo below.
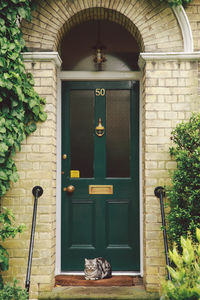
(100, 92)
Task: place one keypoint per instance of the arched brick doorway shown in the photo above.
(155, 29)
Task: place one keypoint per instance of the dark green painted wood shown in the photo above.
(100, 142)
(101, 225)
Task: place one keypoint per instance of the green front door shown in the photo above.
(100, 174)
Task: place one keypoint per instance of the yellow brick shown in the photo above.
(152, 270)
(152, 279)
(158, 123)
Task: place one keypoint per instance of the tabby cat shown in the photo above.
(97, 268)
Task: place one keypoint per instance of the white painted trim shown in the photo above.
(185, 28)
(99, 75)
(141, 179)
(114, 273)
(86, 76)
(42, 56)
(149, 56)
(171, 55)
(58, 177)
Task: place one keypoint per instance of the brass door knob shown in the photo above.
(69, 189)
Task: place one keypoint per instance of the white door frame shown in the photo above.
(92, 76)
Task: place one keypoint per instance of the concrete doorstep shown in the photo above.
(110, 293)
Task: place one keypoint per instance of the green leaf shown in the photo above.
(8, 85)
(197, 268)
(12, 46)
(32, 127)
(2, 22)
(198, 250)
(176, 258)
(2, 129)
(14, 177)
(6, 76)
(22, 12)
(3, 259)
(14, 31)
(3, 175)
(2, 160)
(13, 56)
(36, 110)
(198, 234)
(174, 274)
(2, 83)
(32, 103)
(2, 62)
(18, 90)
(2, 189)
(3, 147)
(43, 116)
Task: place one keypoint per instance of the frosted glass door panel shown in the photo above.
(118, 133)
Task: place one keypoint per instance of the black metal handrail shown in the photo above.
(37, 192)
(160, 193)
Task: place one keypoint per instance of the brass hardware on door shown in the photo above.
(101, 189)
(64, 156)
(69, 189)
(100, 129)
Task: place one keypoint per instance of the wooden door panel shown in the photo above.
(117, 223)
(104, 225)
(82, 224)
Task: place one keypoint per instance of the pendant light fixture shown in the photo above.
(99, 58)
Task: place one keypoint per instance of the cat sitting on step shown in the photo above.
(97, 268)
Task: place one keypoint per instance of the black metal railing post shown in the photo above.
(160, 193)
(37, 192)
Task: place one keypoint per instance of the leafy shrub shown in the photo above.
(184, 194)
(185, 284)
(13, 292)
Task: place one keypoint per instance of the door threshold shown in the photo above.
(114, 273)
(115, 280)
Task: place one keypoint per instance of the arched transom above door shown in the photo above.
(152, 23)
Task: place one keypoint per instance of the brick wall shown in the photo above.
(152, 23)
(171, 94)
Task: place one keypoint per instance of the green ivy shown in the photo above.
(184, 194)
(20, 109)
(13, 292)
(177, 2)
(20, 106)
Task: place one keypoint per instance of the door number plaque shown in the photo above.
(100, 92)
(100, 189)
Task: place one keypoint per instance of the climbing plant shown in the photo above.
(20, 109)
(176, 2)
(20, 106)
